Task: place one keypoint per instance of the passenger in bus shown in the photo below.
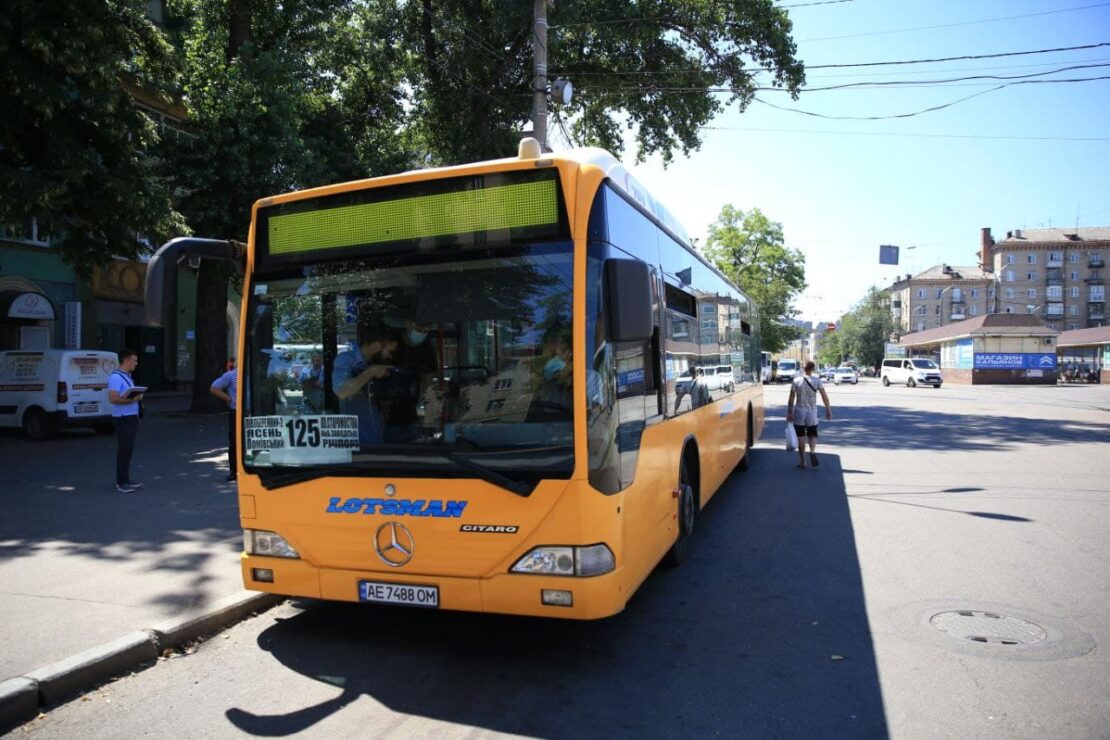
(553, 396)
(416, 366)
(354, 376)
(312, 382)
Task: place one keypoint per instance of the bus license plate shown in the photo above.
(398, 593)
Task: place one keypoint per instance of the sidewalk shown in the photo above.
(82, 565)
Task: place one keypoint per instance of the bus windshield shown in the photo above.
(414, 364)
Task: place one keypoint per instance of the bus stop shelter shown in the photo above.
(1084, 355)
(997, 348)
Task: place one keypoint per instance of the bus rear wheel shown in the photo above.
(745, 461)
(687, 512)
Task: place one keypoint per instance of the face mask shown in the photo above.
(416, 337)
(553, 367)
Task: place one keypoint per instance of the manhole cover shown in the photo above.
(988, 628)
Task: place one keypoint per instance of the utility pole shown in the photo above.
(539, 84)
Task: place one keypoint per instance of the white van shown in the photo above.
(788, 370)
(46, 390)
(912, 371)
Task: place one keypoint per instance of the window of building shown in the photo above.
(937, 312)
(1031, 259)
(940, 291)
(1073, 310)
(1073, 325)
(1030, 275)
(1009, 259)
(1009, 276)
(1009, 309)
(974, 292)
(1054, 292)
(920, 292)
(974, 310)
(1075, 291)
(921, 326)
(1030, 308)
(1009, 292)
(1054, 327)
(1054, 257)
(1073, 257)
(1074, 275)
(1098, 293)
(27, 231)
(1031, 293)
(920, 310)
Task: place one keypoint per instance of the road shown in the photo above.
(836, 602)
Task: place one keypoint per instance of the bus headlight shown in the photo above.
(269, 544)
(593, 560)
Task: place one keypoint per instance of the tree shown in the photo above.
(280, 96)
(862, 333)
(75, 152)
(748, 247)
(648, 67)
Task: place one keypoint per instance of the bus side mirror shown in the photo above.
(628, 300)
(161, 270)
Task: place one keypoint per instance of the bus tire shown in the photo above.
(37, 425)
(745, 461)
(687, 513)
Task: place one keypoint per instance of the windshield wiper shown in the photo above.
(281, 479)
(520, 488)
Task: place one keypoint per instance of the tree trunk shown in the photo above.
(211, 320)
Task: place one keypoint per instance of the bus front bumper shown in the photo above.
(508, 593)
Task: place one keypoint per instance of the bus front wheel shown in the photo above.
(687, 512)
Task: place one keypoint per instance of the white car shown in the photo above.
(912, 372)
(45, 390)
(845, 375)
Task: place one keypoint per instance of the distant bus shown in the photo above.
(502, 426)
(765, 366)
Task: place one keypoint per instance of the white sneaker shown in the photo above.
(124, 488)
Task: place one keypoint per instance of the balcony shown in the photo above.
(957, 316)
(1096, 280)
(1054, 263)
(1054, 309)
(1099, 315)
(956, 299)
(1096, 262)
(1054, 277)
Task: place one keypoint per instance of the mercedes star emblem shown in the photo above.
(394, 544)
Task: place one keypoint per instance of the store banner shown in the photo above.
(1014, 361)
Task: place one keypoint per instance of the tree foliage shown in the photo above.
(861, 334)
(646, 66)
(748, 247)
(75, 151)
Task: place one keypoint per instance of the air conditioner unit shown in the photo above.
(1048, 341)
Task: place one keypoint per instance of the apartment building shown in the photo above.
(1056, 274)
(940, 295)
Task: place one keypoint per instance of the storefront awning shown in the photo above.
(20, 304)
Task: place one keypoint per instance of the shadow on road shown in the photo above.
(895, 428)
(761, 632)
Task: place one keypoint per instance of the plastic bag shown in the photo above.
(791, 437)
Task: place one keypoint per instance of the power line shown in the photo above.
(925, 110)
(877, 84)
(934, 60)
(953, 25)
(905, 134)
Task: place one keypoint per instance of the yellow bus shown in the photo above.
(516, 386)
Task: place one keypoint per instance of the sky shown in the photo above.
(928, 183)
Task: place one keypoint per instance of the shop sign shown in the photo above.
(31, 306)
(1015, 361)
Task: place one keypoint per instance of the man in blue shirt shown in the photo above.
(352, 376)
(312, 383)
(225, 389)
(125, 416)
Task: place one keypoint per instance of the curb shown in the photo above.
(22, 697)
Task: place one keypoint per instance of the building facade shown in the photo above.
(1056, 274)
(941, 295)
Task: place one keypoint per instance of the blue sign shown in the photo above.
(965, 354)
(1015, 361)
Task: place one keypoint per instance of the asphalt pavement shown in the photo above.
(82, 564)
(942, 573)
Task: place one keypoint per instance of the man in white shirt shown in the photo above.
(125, 417)
(801, 411)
